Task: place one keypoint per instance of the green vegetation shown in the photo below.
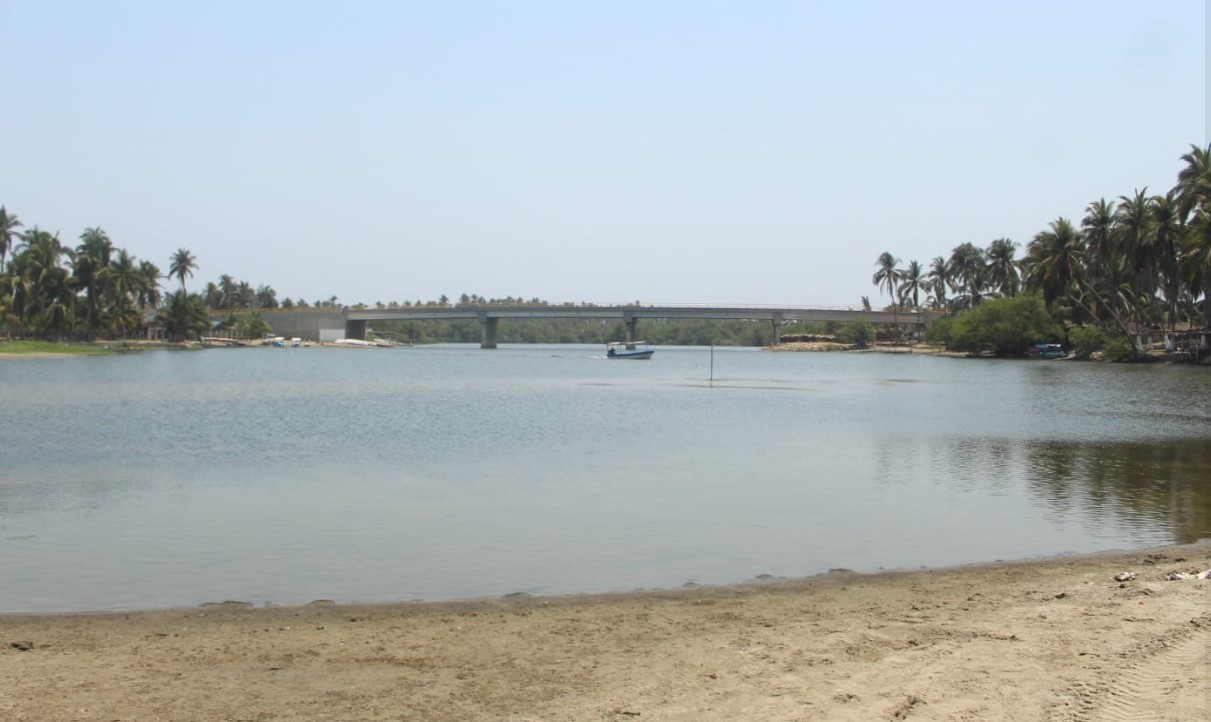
(1003, 327)
(1141, 261)
(859, 333)
(95, 290)
(672, 333)
(21, 348)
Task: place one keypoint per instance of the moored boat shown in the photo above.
(355, 343)
(222, 342)
(1047, 350)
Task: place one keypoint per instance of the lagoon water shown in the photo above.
(281, 476)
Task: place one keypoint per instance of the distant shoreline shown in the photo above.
(822, 346)
(75, 349)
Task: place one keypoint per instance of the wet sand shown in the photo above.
(1055, 639)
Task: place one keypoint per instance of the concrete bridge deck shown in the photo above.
(353, 322)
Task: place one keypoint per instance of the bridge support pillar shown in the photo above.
(488, 337)
(632, 325)
(777, 335)
(355, 329)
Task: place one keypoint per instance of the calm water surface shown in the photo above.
(288, 475)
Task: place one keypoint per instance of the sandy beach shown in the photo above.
(1054, 639)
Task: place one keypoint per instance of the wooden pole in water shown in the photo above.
(712, 365)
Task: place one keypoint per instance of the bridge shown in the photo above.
(328, 325)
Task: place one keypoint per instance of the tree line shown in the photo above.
(594, 331)
(1138, 261)
(95, 289)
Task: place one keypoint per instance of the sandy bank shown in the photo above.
(1045, 640)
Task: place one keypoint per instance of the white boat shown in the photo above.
(638, 350)
(222, 342)
(354, 342)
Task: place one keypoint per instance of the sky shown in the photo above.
(674, 152)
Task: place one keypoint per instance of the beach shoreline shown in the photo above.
(1056, 639)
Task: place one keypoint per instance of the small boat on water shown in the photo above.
(355, 343)
(222, 342)
(1047, 350)
(637, 350)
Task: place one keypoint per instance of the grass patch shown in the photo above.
(26, 348)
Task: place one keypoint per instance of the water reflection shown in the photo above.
(1140, 488)
(1131, 484)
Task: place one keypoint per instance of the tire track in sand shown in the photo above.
(1168, 686)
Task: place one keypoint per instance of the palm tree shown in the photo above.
(185, 315)
(125, 286)
(42, 291)
(227, 291)
(1055, 260)
(149, 295)
(266, 297)
(182, 264)
(913, 281)
(1196, 258)
(1131, 224)
(1194, 208)
(1098, 227)
(213, 296)
(887, 277)
(939, 282)
(92, 269)
(1105, 267)
(1164, 230)
(7, 224)
(968, 271)
(126, 278)
(245, 296)
(1194, 181)
(1002, 268)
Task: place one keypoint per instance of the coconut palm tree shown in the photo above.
(125, 276)
(1098, 228)
(1164, 230)
(912, 281)
(1131, 224)
(213, 296)
(1194, 209)
(1002, 268)
(43, 297)
(149, 295)
(888, 276)
(1196, 258)
(91, 270)
(185, 315)
(227, 291)
(939, 282)
(266, 297)
(968, 271)
(1055, 260)
(8, 224)
(125, 285)
(183, 264)
(1194, 181)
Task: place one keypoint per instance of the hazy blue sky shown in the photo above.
(679, 152)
